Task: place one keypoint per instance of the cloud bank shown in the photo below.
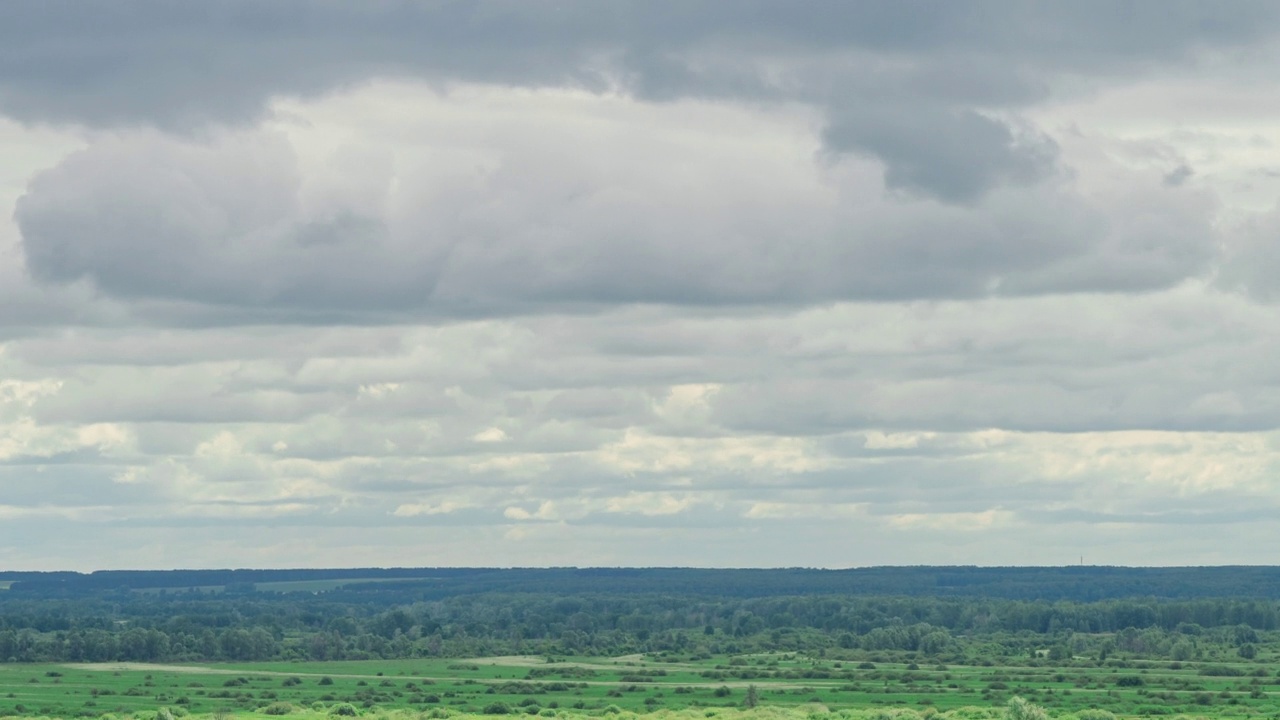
(631, 283)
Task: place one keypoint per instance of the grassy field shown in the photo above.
(634, 683)
(802, 712)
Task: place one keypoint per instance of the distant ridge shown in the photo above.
(1072, 582)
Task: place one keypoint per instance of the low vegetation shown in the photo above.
(804, 712)
(383, 646)
(842, 680)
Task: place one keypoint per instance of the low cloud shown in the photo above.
(698, 205)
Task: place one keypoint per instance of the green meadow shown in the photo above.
(800, 712)
(636, 684)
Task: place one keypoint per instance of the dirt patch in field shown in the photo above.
(510, 660)
(616, 664)
(515, 660)
(536, 661)
(152, 667)
(203, 670)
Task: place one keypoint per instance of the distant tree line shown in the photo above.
(386, 620)
(1074, 583)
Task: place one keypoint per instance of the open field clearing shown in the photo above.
(798, 712)
(110, 644)
(642, 684)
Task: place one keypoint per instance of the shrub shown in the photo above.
(277, 708)
(344, 710)
(497, 708)
(326, 680)
(1019, 709)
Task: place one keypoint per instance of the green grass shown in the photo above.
(807, 712)
(634, 684)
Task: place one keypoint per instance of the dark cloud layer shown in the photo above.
(980, 200)
(149, 218)
(902, 81)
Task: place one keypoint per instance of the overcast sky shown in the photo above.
(639, 283)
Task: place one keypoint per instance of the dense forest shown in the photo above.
(944, 613)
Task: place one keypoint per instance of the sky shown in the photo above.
(677, 283)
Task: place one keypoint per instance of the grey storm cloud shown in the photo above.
(198, 213)
(148, 218)
(955, 155)
(214, 224)
(926, 68)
